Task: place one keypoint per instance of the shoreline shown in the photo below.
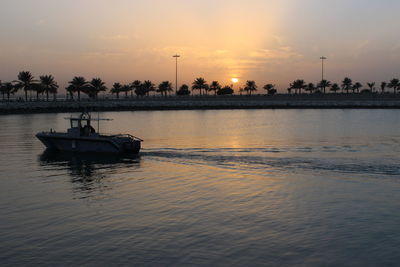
(370, 101)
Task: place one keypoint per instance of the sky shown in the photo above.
(267, 41)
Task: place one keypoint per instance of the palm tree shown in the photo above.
(324, 84)
(298, 85)
(126, 88)
(148, 86)
(38, 88)
(270, 89)
(310, 88)
(164, 88)
(383, 86)
(8, 88)
(2, 89)
(356, 87)
(347, 83)
(98, 86)
(250, 87)
(136, 85)
(70, 92)
(79, 84)
(335, 87)
(214, 86)
(116, 89)
(199, 84)
(371, 86)
(183, 90)
(49, 85)
(226, 90)
(394, 83)
(25, 81)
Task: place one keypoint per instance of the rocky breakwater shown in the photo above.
(206, 102)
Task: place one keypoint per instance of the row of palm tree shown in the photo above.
(165, 88)
(80, 85)
(201, 85)
(47, 85)
(346, 86)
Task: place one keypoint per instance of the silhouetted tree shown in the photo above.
(310, 88)
(250, 87)
(347, 84)
(270, 88)
(148, 87)
(164, 88)
(79, 84)
(183, 90)
(49, 85)
(25, 81)
(38, 89)
(356, 87)
(2, 90)
(298, 85)
(7, 89)
(200, 84)
(226, 90)
(70, 91)
(371, 86)
(394, 83)
(98, 86)
(335, 87)
(116, 89)
(214, 86)
(136, 87)
(126, 88)
(383, 86)
(324, 84)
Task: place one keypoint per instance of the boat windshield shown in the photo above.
(75, 123)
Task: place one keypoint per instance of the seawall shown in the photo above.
(331, 101)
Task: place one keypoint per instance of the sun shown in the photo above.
(235, 80)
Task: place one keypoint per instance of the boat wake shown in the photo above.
(279, 160)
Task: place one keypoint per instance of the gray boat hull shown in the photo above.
(63, 142)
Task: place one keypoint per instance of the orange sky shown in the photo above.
(264, 40)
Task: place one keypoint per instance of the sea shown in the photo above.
(209, 188)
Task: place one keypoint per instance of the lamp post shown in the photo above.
(322, 59)
(176, 72)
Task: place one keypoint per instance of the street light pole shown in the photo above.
(322, 59)
(176, 72)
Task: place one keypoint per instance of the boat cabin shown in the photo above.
(81, 126)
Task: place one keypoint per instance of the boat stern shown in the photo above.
(132, 147)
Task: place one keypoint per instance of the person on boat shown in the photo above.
(88, 129)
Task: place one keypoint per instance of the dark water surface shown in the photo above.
(210, 188)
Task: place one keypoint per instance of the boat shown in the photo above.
(83, 138)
